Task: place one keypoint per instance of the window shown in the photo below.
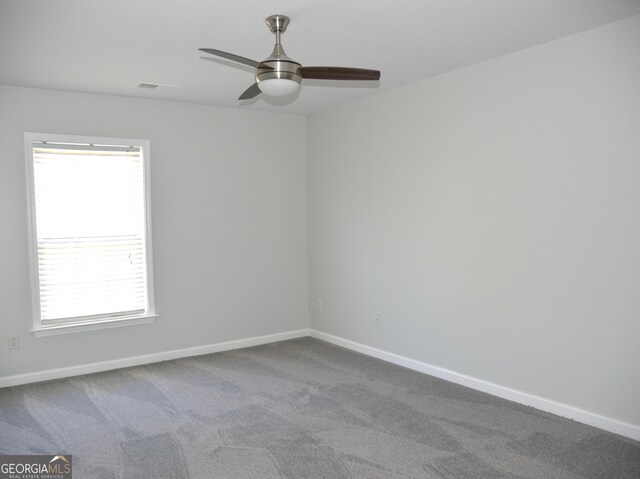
(90, 232)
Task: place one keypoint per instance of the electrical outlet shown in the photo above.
(14, 342)
(319, 306)
(376, 322)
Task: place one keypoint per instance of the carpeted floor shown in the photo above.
(297, 409)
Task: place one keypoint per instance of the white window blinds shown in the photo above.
(90, 228)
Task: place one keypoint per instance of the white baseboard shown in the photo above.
(608, 424)
(147, 359)
(580, 415)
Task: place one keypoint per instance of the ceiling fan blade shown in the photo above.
(231, 56)
(339, 73)
(250, 92)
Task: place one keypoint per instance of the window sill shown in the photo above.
(93, 325)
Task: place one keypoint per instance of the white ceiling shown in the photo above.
(110, 46)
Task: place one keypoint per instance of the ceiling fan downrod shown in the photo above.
(277, 24)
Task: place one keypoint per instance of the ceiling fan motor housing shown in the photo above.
(281, 68)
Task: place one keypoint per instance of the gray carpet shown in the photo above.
(297, 409)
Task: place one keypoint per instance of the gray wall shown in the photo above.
(229, 224)
(490, 219)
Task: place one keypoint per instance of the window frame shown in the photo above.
(90, 324)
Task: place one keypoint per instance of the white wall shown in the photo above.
(229, 224)
(490, 218)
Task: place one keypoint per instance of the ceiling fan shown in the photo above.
(279, 75)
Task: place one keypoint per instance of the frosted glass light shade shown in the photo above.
(278, 86)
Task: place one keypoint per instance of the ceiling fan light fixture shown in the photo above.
(278, 86)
